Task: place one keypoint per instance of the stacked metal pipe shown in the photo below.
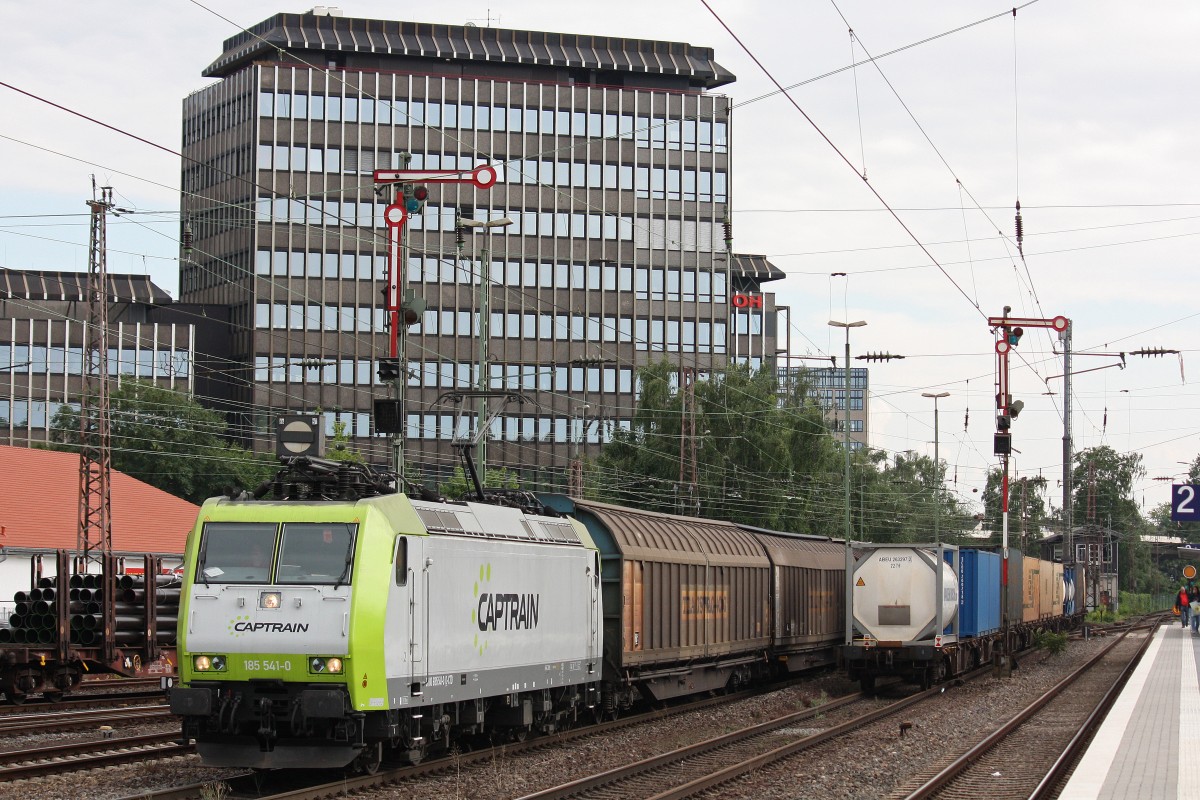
(34, 619)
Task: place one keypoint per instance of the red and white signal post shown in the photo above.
(410, 199)
(1008, 331)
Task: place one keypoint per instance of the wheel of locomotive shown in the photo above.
(53, 697)
(416, 753)
(14, 695)
(367, 762)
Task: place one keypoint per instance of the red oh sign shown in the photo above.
(747, 301)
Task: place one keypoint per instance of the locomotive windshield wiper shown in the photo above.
(346, 570)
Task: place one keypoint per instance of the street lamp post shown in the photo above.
(937, 466)
(485, 315)
(846, 442)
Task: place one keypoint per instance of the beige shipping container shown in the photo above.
(1056, 609)
(1031, 603)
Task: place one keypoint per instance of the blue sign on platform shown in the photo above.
(1185, 502)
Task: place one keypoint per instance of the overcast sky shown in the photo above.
(1085, 111)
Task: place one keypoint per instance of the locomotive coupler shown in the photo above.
(266, 725)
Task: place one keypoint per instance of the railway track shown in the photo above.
(86, 700)
(102, 752)
(704, 767)
(299, 786)
(20, 724)
(294, 786)
(1033, 751)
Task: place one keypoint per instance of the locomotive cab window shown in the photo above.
(236, 552)
(401, 561)
(316, 553)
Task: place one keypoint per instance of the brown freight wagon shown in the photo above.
(686, 600)
(808, 615)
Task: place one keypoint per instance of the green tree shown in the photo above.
(169, 441)
(339, 447)
(763, 457)
(643, 461)
(1103, 481)
(899, 501)
(1027, 507)
(459, 487)
(1110, 476)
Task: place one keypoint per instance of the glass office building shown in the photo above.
(43, 332)
(827, 385)
(613, 158)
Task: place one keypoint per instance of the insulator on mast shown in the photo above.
(1020, 229)
(727, 225)
(186, 241)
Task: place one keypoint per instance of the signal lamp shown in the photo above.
(389, 369)
(1003, 422)
(412, 308)
(1014, 408)
(388, 416)
(414, 198)
(1014, 335)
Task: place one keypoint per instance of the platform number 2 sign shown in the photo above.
(1185, 502)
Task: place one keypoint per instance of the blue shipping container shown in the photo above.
(979, 592)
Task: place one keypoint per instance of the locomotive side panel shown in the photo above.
(507, 616)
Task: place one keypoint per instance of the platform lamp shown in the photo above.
(846, 443)
(485, 291)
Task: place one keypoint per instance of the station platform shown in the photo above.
(1149, 744)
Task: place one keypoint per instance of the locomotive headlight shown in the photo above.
(270, 600)
(319, 665)
(209, 663)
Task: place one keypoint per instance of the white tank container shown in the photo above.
(895, 594)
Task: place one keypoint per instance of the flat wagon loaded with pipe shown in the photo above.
(74, 623)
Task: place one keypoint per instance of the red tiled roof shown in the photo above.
(39, 506)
